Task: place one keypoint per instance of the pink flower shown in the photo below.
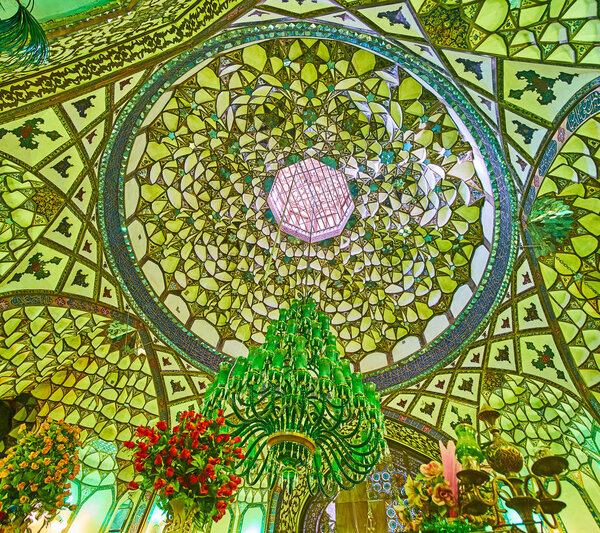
(442, 495)
(431, 470)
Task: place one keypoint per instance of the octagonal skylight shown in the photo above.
(311, 200)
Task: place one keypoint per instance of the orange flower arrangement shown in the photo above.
(35, 472)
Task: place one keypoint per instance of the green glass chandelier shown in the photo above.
(23, 42)
(301, 411)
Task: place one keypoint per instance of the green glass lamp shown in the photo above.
(300, 410)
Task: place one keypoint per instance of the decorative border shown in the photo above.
(416, 424)
(57, 300)
(272, 509)
(441, 350)
(110, 60)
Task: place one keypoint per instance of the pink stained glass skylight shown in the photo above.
(311, 200)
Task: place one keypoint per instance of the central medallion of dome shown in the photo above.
(311, 200)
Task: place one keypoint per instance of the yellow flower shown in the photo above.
(4, 473)
(34, 487)
(21, 485)
(24, 499)
(415, 498)
(23, 465)
(34, 466)
(46, 461)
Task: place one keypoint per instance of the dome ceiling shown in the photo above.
(136, 233)
(204, 241)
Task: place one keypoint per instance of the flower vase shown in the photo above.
(504, 457)
(181, 521)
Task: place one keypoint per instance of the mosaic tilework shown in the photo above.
(412, 368)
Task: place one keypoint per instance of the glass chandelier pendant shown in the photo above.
(300, 409)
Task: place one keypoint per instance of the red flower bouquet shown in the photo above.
(191, 466)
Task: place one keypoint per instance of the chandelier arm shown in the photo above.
(335, 446)
(234, 401)
(312, 484)
(542, 488)
(529, 480)
(354, 448)
(360, 471)
(312, 420)
(336, 475)
(351, 448)
(497, 492)
(258, 433)
(323, 488)
(250, 404)
(558, 487)
(338, 420)
(552, 524)
(357, 426)
(260, 471)
(252, 470)
(254, 398)
(348, 417)
(277, 407)
(321, 413)
(299, 410)
(369, 437)
(245, 428)
(490, 502)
